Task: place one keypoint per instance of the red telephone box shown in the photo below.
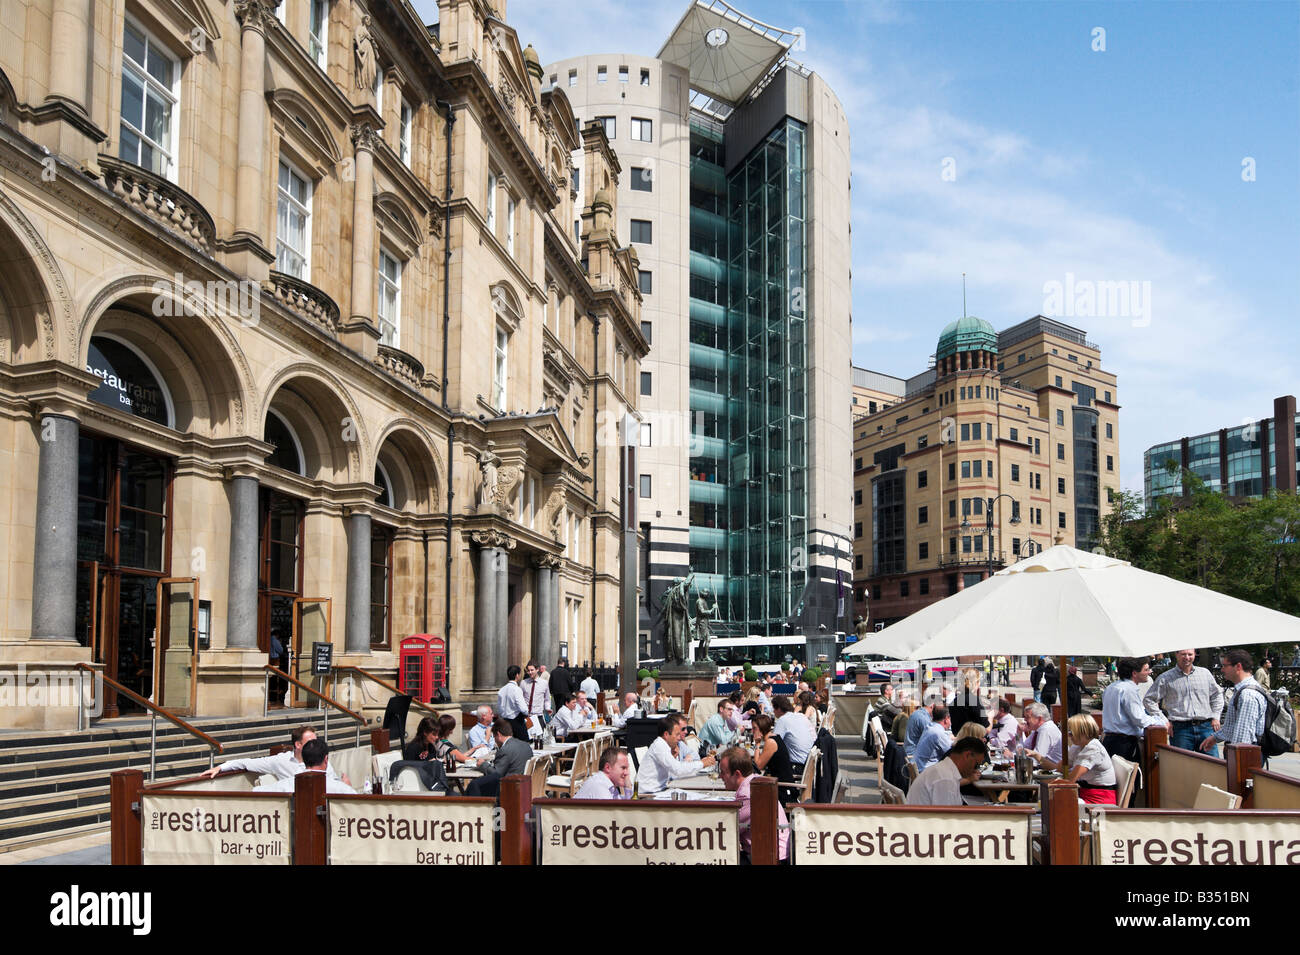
(423, 666)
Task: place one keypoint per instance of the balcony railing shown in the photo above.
(161, 201)
(400, 365)
(306, 300)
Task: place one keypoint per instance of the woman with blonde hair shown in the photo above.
(899, 728)
(1090, 764)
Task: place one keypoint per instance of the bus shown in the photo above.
(764, 654)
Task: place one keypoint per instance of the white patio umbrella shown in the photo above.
(1066, 602)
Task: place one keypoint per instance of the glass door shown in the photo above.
(311, 624)
(176, 663)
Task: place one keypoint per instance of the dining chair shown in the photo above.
(1126, 774)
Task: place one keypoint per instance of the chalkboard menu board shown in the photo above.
(322, 658)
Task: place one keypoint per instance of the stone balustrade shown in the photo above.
(161, 201)
(305, 300)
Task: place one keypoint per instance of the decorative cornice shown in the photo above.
(547, 562)
(256, 14)
(492, 538)
(364, 136)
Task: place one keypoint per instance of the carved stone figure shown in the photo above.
(862, 628)
(365, 56)
(488, 463)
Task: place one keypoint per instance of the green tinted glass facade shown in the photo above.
(766, 366)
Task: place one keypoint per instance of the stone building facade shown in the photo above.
(1020, 426)
(297, 345)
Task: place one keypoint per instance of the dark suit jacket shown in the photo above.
(512, 756)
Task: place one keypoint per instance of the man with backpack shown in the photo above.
(1246, 718)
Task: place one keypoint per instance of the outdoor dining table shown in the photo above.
(706, 782)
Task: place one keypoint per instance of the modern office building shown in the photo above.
(873, 391)
(1246, 461)
(1007, 444)
(735, 194)
(298, 344)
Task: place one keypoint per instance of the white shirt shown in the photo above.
(481, 734)
(567, 718)
(632, 712)
(282, 766)
(537, 696)
(1101, 771)
(940, 785)
(590, 687)
(599, 786)
(333, 785)
(1047, 741)
(510, 701)
(659, 768)
(798, 734)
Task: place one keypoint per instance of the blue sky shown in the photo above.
(1123, 165)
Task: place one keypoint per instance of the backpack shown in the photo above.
(1279, 726)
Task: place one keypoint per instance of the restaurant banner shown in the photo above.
(602, 832)
(411, 830)
(189, 828)
(1227, 837)
(921, 836)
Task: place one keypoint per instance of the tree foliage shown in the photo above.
(1245, 549)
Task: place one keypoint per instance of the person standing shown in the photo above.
(1193, 699)
(1262, 675)
(1035, 677)
(1123, 713)
(511, 705)
(589, 685)
(537, 698)
(1073, 692)
(1051, 684)
(1245, 718)
(561, 683)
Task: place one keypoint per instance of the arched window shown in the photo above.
(385, 496)
(288, 449)
(129, 381)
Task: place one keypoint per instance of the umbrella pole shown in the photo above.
(1064, 699)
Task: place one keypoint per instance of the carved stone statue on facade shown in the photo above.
(488, 463)
(677, 618)
(365, 56)
(703, 631)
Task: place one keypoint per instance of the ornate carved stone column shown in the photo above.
(249, 241)
(357, 628)
(364, 139)
(54, 572)
(490, 610)
(241, 591)
(546, 633)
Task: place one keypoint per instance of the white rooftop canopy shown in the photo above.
(725, 52)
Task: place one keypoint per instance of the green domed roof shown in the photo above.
(966, 334)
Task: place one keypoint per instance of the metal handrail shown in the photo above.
(155, 711)
(385, 684)
(361, 720)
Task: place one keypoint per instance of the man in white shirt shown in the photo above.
(1042, 737)
(795, 729)
(589, 685)
(631, 709)
(765, 699)
(613, 778)
(284, 765)
(567, 718)
(660, 767)
(511, 704)
(587, 711)
(537, 697)
(940, 785)
(480, 734)
(315, 758)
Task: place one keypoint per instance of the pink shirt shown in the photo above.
(783, 832)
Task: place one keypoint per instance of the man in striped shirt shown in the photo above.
(1243, 720)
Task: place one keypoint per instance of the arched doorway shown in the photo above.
(124, 536)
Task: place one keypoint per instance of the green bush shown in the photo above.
(785, 665)
(811, 675)
(643, 674)
(655, 673)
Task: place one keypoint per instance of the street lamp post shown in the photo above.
(988, 522)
